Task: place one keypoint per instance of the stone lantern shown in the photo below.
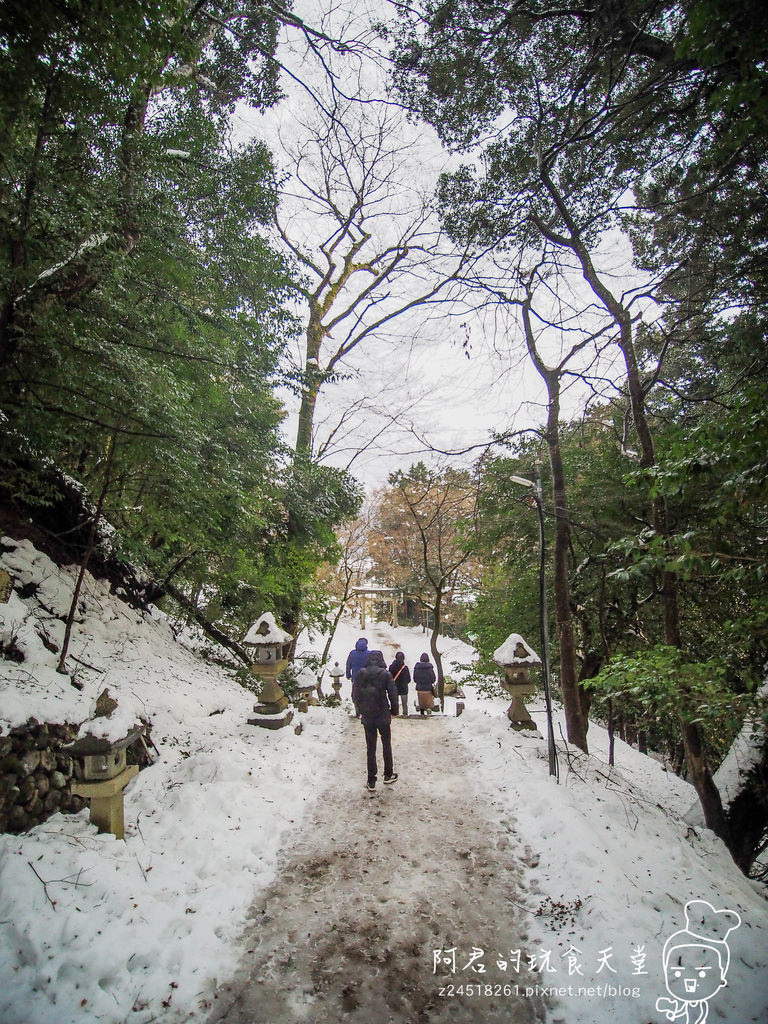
(337, 674)
(516, 658)
(307, 684)
(269, 641)
(103, 775)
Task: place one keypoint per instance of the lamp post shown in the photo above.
(536, 495)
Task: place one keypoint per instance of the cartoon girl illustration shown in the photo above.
(696, 962)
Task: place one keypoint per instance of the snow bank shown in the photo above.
(613, 863)
(97, 929)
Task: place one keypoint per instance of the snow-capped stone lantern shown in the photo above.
(307, 684)
(337, 674)
(101, 776)
(516, 658)
(269, 642)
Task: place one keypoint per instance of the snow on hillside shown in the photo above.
(143, 930)
(614, 859)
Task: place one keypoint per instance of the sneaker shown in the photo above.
(371, 785)
(392, 778)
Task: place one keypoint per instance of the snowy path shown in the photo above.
(373, 886)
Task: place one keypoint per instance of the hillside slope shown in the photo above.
(150, 929)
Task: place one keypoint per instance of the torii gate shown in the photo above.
(379, 593)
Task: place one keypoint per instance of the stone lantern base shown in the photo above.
(517, 712)
(271, 719)
(519, 718)
(272, 711)
(307, 694)
(106, 800)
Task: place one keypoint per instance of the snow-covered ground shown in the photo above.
(98, 929)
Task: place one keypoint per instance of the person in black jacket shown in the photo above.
(424, 678)
(402, 676)
(374, 695)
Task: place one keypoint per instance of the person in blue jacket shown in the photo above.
(357, 658)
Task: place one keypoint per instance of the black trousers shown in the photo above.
(371, 737)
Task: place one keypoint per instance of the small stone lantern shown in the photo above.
(104, 774)
(516, 658)
(307, 683)
(269, 642)
(337, 674)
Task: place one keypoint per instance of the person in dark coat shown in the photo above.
(402, 677)
(424, 677)
(374, 695)
(357, 658)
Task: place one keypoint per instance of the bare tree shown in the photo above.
(575, 715)
(619, 310)
(348, 571)
(563, 339)
(365, 240)
(425, 539)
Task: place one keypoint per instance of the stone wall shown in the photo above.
(35, 775)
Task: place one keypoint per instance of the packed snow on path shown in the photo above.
(599, 867)
(378, 889)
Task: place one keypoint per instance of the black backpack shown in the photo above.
(369, 693)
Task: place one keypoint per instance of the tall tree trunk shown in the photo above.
(311, 381)
(302, 454)
(90, 544)
(693, 740)
(436, 624)
(576, 723)
(306, 420)
(699, 771)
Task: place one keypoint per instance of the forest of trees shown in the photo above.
(145, 306)
(155, 273)
(643, 118)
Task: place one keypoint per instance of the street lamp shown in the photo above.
(543, 615)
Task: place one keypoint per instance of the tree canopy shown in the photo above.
(144, 306)
(605, 201)
(643, 120)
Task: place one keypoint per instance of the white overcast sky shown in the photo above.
(445, 396)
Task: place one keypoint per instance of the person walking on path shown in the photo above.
(401, 675)
(357, 658)
(374, 695)
(424, 678)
